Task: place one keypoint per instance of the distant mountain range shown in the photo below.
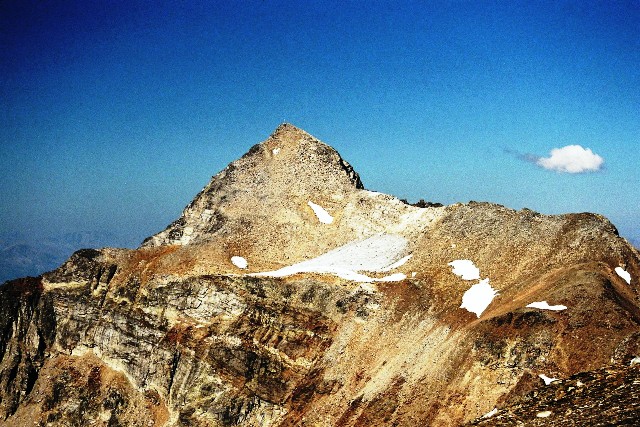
(21, 256)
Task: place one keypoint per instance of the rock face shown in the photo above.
(264, 187)
(346, 313)
(605, 397)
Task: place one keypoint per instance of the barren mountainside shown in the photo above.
(288, 295)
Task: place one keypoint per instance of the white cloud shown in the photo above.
(572, 159)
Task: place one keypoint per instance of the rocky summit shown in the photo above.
(288, 295)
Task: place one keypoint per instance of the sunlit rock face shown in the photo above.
(287, 295)
(607, 396)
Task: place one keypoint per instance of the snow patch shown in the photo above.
(380, 253)
(635, 361)
(491, 413)
(321, 213)
(543, 414)
(465, 268)
(399, 263)
(478, 297)
(397, 277)
(275, 151)
(624, 274)
(546, 379)
(543, 305)
(239, 262)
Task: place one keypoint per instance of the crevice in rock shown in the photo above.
(174, 367)
(112, 271)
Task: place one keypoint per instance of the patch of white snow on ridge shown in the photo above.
(546, 379)
(624, 274)
(376, 254)
(239, 262)
(544, 414)
(321, 213)
(465, 268)
(635, 361)
(478, 297)
(392, 278)
(491, 413)
(275, 151)
(543, 305)
(399, 263)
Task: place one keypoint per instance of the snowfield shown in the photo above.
(379, 253)
(397, 264)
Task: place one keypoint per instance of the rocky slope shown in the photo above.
(286, 294)
(605, 397)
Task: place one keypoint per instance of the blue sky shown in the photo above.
(115, 114)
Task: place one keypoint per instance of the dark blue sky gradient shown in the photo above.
(115, 114)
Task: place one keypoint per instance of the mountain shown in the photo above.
(21, 256)
(21, 259)
(287, 294)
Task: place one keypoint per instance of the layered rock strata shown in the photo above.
(368, 332)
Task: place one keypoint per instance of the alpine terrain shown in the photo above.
(288, 295)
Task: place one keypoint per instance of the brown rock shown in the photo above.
(175, 334)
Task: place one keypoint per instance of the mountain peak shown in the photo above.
(287, 137)
(286, 295)
(287, 130)
(285, 171)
